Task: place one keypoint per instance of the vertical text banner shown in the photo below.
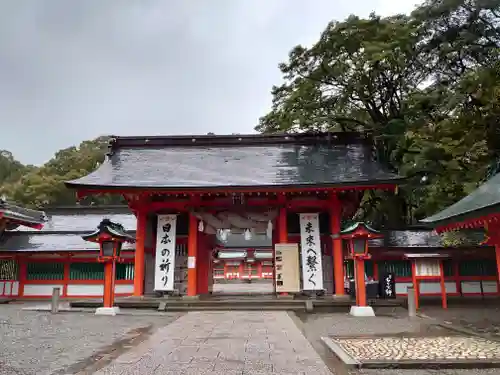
(165, 252)
(310, 250)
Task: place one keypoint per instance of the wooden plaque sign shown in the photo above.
(286, 263)
(427, 267)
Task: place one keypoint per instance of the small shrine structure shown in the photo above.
(12, 217)
(478, 210)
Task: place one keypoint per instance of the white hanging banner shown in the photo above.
(310, 250)
(165, 252)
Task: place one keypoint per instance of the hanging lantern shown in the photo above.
(269, 231)
(224, 234)
(247, 234)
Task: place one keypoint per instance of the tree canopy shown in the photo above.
(426, 86)
(42, 186)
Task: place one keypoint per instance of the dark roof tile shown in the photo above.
(481, 202)
(47, 242)
(21, 215)
(238, 162)
(75, 222)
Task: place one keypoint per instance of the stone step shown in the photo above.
(232, 308)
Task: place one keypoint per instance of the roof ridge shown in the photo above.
(117, 142)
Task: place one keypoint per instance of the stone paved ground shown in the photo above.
(226, 343)
(388, 322)
(41, 343)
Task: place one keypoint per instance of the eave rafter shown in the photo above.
(473, 223)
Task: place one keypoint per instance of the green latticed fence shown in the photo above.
(45, 271)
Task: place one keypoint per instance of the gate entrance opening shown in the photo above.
(243, 265)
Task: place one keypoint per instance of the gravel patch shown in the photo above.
(42, 343)
(480, 319)
(393, 322)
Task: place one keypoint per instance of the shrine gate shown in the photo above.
(189, 191)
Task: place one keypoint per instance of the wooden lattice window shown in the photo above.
(86, 271)
(480, 267)
(448, 267)
(369, 268)
(45, 271)
(9, 269)
(400, 268)
(125, 271)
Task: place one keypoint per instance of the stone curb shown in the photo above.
(340, 353)
(455, 328)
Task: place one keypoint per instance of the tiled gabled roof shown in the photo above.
(238, 161)
(483, 201)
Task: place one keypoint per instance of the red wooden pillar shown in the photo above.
(443, 285)
(67, 263)
(109, 294)
(23, 275)
(203, 263)
(259, 270)
(497, 257)
(140, 239)
(192, 255)
(415, 281)
(338, 253)
(359, 265)
(375, 271)
(456, 275)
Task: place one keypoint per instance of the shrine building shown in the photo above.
(209, 208)
(34, 261)
(197, 189)
(201, 187)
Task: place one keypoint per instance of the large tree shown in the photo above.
(424, 85)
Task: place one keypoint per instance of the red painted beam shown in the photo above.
(228, 190)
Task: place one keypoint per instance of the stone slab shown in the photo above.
(110, 311)
(340, 353)
(362, 311)
(65, 307)
(228, 342)
(457, 352)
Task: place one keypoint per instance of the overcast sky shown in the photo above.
(74, 70)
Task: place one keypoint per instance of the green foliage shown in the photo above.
(42, 186)
(426, 86)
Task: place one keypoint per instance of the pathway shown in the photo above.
(226, 343)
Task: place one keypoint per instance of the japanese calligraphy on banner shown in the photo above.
(165, 253)
(310, 249)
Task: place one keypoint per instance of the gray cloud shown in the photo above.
(74, 70)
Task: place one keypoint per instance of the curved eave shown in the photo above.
(368, 184)
(94, 236)
(21, 219)
(472, 219)
(477, 207)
